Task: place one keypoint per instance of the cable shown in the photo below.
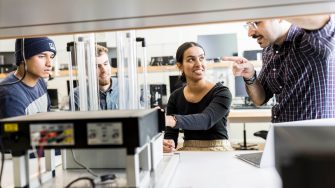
(81, 178)
(6, 84)
(82, 165)
(102, 178)
(39, 155)
(25, 68)
(17, 81)
(2, 158)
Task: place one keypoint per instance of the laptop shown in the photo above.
(261, 159)
(267, 157)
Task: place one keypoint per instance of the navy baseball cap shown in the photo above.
(33, 46)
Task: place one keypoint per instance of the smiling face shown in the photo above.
(104, 70)
(40, 65)
(193, 65)
(266, 32)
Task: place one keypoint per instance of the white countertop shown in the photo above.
(221, 169)
(195, 170)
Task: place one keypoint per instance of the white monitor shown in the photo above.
(267, 158)
(305, 149)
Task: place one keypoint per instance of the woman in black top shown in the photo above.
(200, 108)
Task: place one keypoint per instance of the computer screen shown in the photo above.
(157, 91)
(53, 94)
(114, 62)
(75, 84)
(175, 83)
(240, 90)
(217, 46)
(252, 54)
(8, 58)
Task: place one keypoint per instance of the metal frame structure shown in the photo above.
(26, 18)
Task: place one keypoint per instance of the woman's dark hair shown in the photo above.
(180, 54)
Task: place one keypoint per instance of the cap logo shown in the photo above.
(52, 46)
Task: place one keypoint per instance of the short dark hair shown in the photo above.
(180, 54)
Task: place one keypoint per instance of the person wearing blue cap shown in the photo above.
(24, 91)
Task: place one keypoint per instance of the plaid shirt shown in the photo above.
(301, 74)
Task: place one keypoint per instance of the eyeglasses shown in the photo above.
(251, 25)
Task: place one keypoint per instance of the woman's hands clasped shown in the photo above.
(169, 146)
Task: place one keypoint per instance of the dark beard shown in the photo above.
(104, 82)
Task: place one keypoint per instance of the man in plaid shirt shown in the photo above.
(298, 67)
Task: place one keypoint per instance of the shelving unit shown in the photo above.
(164, 68)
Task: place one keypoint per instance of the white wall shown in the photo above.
(165, 41)
(235, 131)
(7, 45)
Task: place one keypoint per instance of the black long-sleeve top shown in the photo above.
(204, 120)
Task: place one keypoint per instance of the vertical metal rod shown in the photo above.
(244, 137)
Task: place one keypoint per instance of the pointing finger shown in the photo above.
(235, 59)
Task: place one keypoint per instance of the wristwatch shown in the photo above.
(250, 81)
